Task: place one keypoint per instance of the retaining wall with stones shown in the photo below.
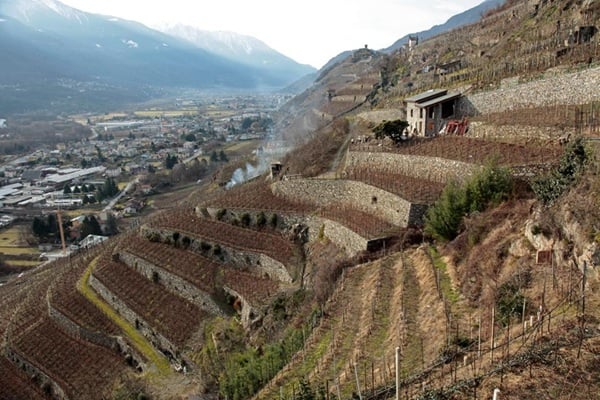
(248, 314)
(521, 133)
(329, 192)
(258, 263)
(172, 282)
(346, 239)
(44, 381)
(115, 343)
(158, 341)
(578, 87)
(433, 169)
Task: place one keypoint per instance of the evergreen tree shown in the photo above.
(52, 224)
(490, 185)
(170, 161)
(90, 226)
(39, 227)
(391, 129)
(111, 225)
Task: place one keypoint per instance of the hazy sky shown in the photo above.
(309, 31)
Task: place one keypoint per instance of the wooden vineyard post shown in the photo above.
(493, 333)
(397, 373)
(357, 382)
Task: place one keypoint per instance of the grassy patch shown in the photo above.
(412, 357)
(165, 113)
(135, 337)
(10, 250)
(444, 281)
(9, 237)
(23, 263)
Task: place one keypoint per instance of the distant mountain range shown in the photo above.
(45, 43)
(241, 49)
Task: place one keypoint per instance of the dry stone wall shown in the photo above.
(114, 343)
(346, 239)
(433, 169)
(522, 133)
(36, 374)
(248, 314)
(327, 192)
(258, 263)
(578, 87)
(173, 283)
(157, 340)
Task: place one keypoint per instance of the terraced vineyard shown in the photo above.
(257, 290)
(272, 245)
(256, 195)
(71, 303)
(366, 225)
(16, 384)
(412, 189)
(470, 150)
(170, 315)
(199, 270)
(82, 369)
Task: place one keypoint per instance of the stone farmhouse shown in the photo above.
(428, 112)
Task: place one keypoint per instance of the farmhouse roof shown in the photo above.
(426, 96)
(438, 100)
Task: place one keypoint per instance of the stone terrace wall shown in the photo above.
(521, 133)
(173, 283)
(248, 314)
(260, 263)
(572, 88)
(114, 343)
(158, 341)
(325, 192)
(36, 374)
(346, 239)
(433, 169)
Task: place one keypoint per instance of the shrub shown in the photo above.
(444, 218)
(391, 129)
(261, 219)
(551, 186)
(509, 302)
(274, 220)
(491, 185)
(205, 247)
(221, 213)
(245, 219)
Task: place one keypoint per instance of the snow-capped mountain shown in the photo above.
(44, 41)
(239, 48)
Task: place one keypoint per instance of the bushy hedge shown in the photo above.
(551, 186)
(490, 185)
(239, 370)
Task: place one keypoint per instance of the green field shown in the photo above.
(12, 241)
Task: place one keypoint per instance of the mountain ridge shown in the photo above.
(48, 41)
